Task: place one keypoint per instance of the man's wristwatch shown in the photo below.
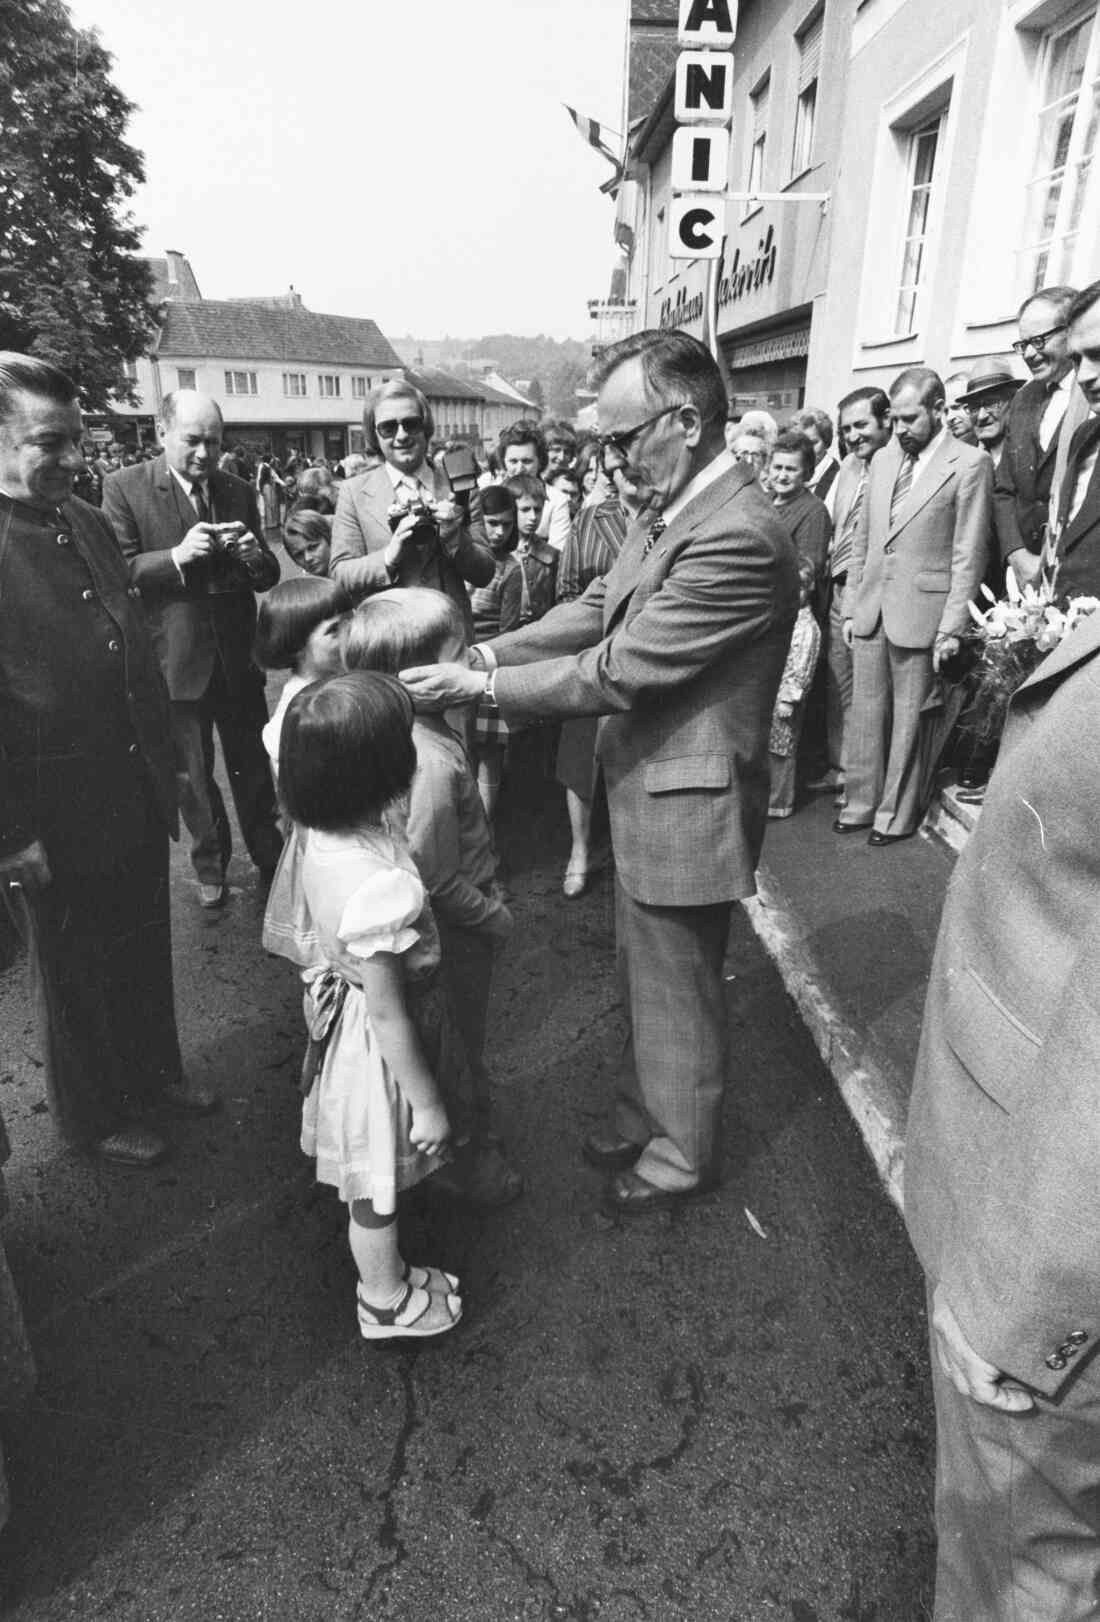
(489, 691)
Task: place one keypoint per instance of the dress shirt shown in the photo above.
(422, 482)
(188, 488)
(1055, 409)
(921, 461)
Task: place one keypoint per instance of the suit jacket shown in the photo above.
(1024, 474)
(193, 624)
(682, 650)
(1004, 1125)
(917, 573)
(1079, 540)
(361, 532)
(85, 740)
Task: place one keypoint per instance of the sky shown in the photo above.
(406, 160)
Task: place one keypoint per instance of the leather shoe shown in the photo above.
(849, 827)
(186, 1099)
(607, 1152)
(628, 1194)
(133, 1146)
(877, 839)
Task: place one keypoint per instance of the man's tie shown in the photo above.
(842, 546)
(657, 529)
(202, 506)
(903, 486)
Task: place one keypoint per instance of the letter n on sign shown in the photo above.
(708, 22)
(696, 225)
(704, 87)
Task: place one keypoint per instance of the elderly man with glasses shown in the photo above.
(374, 547)
(1038, 428)
(681, 647)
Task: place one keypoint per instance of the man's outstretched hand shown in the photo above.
(437, 687)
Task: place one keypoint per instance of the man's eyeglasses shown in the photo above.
(1040, 340)
(621, 442)
(388, 429)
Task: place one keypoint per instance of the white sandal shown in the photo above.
(430, 1278)
(417, 1315)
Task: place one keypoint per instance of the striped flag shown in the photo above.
(592, 132)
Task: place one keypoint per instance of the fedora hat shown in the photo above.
(989, 376)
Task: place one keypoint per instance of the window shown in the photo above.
(1068, 119)
(328, 386)
(294, 385)
(923, 144)
(359, 387)
(758, 107)
(241, 383)
(809, 66)
(185, 377)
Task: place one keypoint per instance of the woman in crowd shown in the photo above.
(589, 553)
(398, 524)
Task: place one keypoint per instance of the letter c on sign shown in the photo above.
(692, 233)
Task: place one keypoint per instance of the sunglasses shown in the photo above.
(388, 429)
(1040, 340)
(621, 442)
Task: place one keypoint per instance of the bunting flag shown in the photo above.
(591, 131)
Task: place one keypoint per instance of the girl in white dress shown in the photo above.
(373, 1117)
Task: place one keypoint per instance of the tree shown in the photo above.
(71, 288)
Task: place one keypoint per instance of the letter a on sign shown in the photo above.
(700, 159)
(704, 87)
(696, 226)
(708, 22)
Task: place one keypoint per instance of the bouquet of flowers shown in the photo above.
(1013, 636)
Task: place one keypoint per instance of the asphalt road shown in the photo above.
(722, 1414)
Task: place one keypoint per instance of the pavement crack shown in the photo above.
(390, 1540)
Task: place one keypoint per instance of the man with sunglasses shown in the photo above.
(1038, 427)
(369, 552)
(680, 646)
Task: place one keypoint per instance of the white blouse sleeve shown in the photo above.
(379, 916)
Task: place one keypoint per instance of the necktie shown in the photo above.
(903, 485)
(842, 546)
(657, 529)
(202, 506)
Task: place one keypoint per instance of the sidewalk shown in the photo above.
(852, 930)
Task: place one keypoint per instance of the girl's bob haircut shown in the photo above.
(346, 750)
(288, 615)
(394, 630)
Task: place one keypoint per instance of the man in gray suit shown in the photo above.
(1001, 1170)
(681, 646)
(918, 556)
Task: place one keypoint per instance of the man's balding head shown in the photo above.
(190, 430)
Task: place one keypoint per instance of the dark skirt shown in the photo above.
(576, 763)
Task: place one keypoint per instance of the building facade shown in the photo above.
(951, 145)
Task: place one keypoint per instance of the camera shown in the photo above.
(427, 529)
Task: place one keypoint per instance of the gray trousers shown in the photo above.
(1018, 1506)
(881, 761)
(838, 680)
(673, 1073)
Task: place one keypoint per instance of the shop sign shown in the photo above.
(681, 311)
(700, 147)
(746, 276)
(764, 351)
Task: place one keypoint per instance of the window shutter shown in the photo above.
(760, 110)
(809, 66)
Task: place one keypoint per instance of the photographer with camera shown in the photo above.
(193, 538)
(404, 523)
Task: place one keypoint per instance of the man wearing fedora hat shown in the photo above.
(990, 390)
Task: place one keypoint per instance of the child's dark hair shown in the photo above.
(287, 615)
(526, 485)
(397, 629)
(497, 501)
(346, 750)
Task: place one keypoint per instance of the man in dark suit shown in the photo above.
(1000, 1166)
(1046, 406)
(194, 541)
(1077, 525)
(918, 556)
(87, 787)
(680, 646)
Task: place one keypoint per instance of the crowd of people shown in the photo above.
(708, 615)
